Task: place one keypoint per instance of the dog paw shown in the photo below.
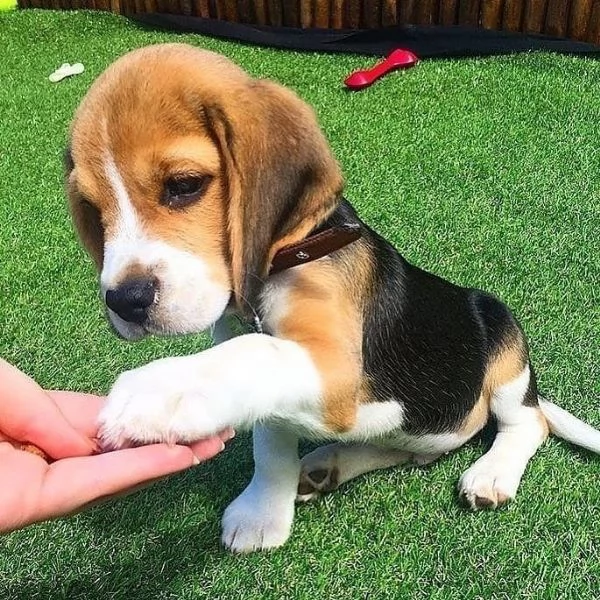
(488, 484)
(255, 521)
(156, 403)
(319, 474)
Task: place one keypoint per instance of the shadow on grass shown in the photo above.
(147, 576)
(145, 542)
(162, 539)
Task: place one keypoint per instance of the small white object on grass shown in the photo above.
(66, 70)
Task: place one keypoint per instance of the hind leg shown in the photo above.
(495, 477)
(327, 467)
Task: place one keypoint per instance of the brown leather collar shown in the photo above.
(315, 246)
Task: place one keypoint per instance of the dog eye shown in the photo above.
(183, 191)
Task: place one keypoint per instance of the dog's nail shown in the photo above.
(97, 446)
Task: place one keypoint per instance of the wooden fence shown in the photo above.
(576, 19)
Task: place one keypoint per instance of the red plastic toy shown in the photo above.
(398, 59)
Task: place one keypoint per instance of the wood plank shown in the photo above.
(593, 31)
(389, 14)
(275, 13)
(229, 10)
(371, 14)
(426, 12)
(336, 16)
(581, 12)
(150, 6)
(246, 11)
(468, 13)
(535, 15)
(448, 12)
(306, 14)
(491, 14)
(406, 11)
(291, 13)
(260, 10)
(557, 17)
(352, 14)
(321, 12)
(513, 15)
(200, 8)
(166, 6)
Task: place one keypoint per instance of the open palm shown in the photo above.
(63, 425)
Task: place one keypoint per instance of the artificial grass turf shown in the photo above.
(484, 171)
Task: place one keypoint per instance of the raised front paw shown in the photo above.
(256, 520)
(160, 402)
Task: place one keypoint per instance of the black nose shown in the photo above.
(132, 299)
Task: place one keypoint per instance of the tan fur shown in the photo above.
(87, 221)
(477, 418)
(321, 317)
(291, 166)
(545, 427)
(502, 368)
(357, 289)
(507, 365)
(205, 116)
(324, 312)
(151, 139)
(136, 270)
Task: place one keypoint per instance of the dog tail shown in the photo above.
(564, 425)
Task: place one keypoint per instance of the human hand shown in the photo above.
(63, 426)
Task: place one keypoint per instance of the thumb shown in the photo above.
(28, 414)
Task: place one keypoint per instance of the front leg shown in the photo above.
(306, 379)
(242, 381)
(261, 517)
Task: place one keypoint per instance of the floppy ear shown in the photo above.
(282, 177)
(86, 217)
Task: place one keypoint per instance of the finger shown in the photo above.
(80, 410)
(205, 449)
(74, 482)
(22, 474)
(28, 414)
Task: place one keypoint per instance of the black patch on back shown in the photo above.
(497, 320)
(426, 341)
(423, 344)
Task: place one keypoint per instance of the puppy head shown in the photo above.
(185, 176)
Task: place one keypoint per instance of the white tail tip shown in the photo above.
(564, 425)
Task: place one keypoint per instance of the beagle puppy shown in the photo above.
(202, 193)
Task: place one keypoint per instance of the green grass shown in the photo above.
(486, 171)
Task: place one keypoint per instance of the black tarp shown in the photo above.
(425, 42)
